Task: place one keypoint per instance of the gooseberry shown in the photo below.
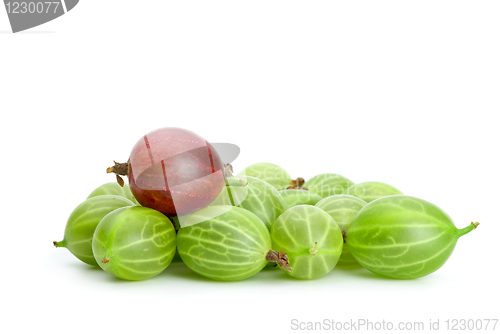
(271, 173)
(370, 191)
(255, 195)
(293, 197)
(328, 184)
(134, 243)
(403, 237)
(342, 208)
(83, 221)
(225, 243)
(113, 188)
(311, 239)
(173, 170)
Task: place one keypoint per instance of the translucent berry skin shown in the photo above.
(83, 221)
(175, 171)
(230, 247)
(255, 195)
(343, 209)
(294, 197)
(271, 173)
(113, 188)
(296, 233)
(134, 243)
(370, 191)
(328, 184)
(402, 237)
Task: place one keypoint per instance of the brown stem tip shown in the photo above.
(280, 258)
(55, 244)
(475, 224)
(118, 168)
(105, 260)
(297, 184)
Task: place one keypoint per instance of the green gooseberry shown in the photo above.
(83, 221)
(311, 239)
(293, 197)
(271, 173)
(403, 237)
(370, 191)
(255, 195)
(328, 184)
(342, 208)
(134, 243)
(113, 188)
(229, 244)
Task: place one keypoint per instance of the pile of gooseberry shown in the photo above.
(183, 203)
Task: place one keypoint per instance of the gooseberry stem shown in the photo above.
(314, 249)
(280, 258)
(59, 243)
(119, 169)
(297, 184)
(465, 230)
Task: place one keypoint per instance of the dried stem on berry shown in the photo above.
(119, 169)
(297, 184)
(280, 258)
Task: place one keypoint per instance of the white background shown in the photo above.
(405, 93)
